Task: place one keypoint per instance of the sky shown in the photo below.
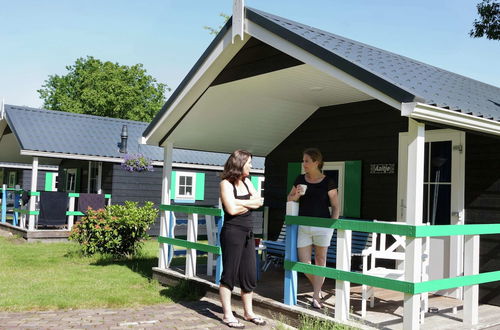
(39, 38)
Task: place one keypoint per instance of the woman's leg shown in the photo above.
(304, 254)
(225, 299)
(319, 260)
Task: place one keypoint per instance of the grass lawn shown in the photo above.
(41, 276)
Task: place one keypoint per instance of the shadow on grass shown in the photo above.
(184, 291)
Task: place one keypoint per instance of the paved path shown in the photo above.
(203, 314)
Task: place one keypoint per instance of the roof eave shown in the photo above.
(159, 118)
(422, 111)
(371, 79)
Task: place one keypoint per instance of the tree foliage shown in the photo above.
(104, 89)
(488, 23)
(215, 31)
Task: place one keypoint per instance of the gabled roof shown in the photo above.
(401, 79)
(79, 134)
(421, 82)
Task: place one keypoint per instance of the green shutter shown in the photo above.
(255, 182)
(200, 187)
(48, 181)
(294, 170)
(172, 185)
(352, 189)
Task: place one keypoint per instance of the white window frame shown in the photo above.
(66, 181)
(177, 185)
(260, 180)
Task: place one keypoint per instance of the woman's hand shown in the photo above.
(295, 194)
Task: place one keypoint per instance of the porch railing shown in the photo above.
(469, 280)
(190, 243)
(20, 222)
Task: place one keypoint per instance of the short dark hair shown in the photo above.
(233, 168)
(315, 155)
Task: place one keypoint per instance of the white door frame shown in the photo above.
(457, 139)
(338, 166)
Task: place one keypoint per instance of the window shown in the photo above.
(185, 185)
(12, 179)
(260, 185)
(71, 177)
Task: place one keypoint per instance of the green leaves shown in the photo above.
(488, 23)
(105, 89)
(117, 230)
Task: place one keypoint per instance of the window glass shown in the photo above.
(186, 183)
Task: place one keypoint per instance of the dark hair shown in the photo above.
(233, 169)
(315, 155)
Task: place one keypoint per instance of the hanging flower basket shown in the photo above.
(137, 163)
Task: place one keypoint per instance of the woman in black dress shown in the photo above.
(239, 198)
(319, 194)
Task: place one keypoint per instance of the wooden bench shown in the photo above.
(275, 250)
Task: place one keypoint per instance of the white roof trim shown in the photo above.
(29, 166)
(439, 115)
(198, 83)
(120, 160)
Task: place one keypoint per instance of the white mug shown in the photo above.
(303, 189)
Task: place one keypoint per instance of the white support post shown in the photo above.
(343, 288)
(99, 178)
(192, 236)
(165, 218)
(471, 292)
(34, 177)
(414, 198)
(71, 218)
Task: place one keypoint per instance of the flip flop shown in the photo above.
(257, 321)
(316, 304)
(234, 324)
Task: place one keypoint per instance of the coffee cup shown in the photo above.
(303, 189)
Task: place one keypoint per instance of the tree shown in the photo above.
(104, 89)
(215, 31)
(488, 23)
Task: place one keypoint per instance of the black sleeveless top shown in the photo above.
(240, 220)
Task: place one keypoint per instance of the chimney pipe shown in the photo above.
(124, 137)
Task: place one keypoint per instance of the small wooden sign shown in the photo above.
(382, 168)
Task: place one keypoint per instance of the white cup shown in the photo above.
(303, 189)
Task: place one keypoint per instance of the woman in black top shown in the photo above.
(239, 198)
(314, 201)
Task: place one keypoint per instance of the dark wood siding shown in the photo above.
(25, 179)
(253, 59)
(482, 204)
(366, 131)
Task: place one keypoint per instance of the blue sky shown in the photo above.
(40, 38)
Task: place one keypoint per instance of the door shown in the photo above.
(443, 199)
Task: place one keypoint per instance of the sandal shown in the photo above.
(234, 324)
(317, 304)
(257, 320)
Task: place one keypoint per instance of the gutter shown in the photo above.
(422, 111)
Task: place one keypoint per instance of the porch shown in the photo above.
(387, 313)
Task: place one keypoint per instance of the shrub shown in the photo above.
(116, 230)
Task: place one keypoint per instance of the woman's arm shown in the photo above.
(230, 203)
(255, 200)
(294, 194)
(334, 202)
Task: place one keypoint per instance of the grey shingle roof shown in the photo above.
(428, 84)
(72, 133)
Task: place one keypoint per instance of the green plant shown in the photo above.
(312, 323)
(117, 230)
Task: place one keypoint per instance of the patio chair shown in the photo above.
(394, 252)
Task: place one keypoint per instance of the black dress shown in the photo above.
(238, 249)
